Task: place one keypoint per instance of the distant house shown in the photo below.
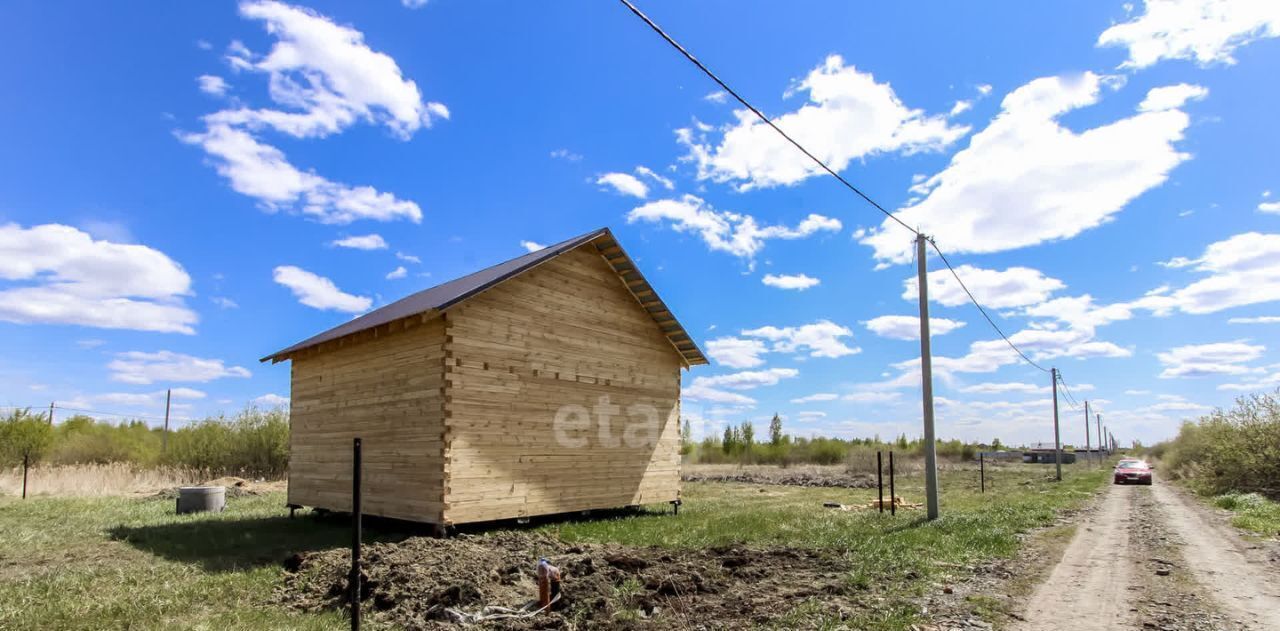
(1043, 453)
(545, 384)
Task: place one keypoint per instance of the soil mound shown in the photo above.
(424, 583)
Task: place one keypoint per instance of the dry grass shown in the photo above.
(96, 480)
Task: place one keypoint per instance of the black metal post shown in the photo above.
(880, 479)
(893, 498)
(982, 470)
(26, 461)
(355, 535)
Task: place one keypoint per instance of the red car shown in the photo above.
(1133, 472)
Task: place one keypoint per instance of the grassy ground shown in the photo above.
(1253, 512)
(99, 563)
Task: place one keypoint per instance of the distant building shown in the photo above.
(1043, 453)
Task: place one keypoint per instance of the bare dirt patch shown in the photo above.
(416, 583)
(818, 477)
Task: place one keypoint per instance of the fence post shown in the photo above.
(880, 478)
(356, 515)
(982, 470)
(893, 497)
(26, 461)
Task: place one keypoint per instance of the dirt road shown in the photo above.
(1150, 558)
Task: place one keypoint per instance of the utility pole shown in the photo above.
(1098, 417)
(926, 381)
(1057, 439)
(1088, 451)
(164, 438)
(51, 412)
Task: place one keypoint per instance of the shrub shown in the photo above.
(1235, 450)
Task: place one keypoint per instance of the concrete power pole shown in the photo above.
(1088, 451)
(1098, 417)
(1057, 439)
(926, 381)
(164, 438)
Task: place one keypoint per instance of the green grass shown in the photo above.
(1253, 512)
(110, 563)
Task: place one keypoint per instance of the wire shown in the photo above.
(1071, 399)
(981, 310)
(707, 71)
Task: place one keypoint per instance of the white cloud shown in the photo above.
(61, 275)
(789, 281)
(736, 352)
(719, 96)
(820, 339)
(152, 399)
(408, 4)
(90, 343)
(820, 396)
(624, 184)
(1242, 270)
(397, 273)
(995, 289)
(848, 116)
(724, 230)
(408, 258)
(532, 246)
(1171, 97)
(1137, 392)
(716, 389)
(273, 400)
(960, 107)
(644, 171)
(212, 84)
(1200, 360)
(1005, 388)
(1207, 31)
(167, 366)
(262, 172)
(1266, 382)
(872, 396)
(565, 154)
(1256, 320)
(326, 71)
(366, 242)
(319, 292)
(809, 414)
(1027, 179)
(1269, 207)
(223, 302)
(902, 327)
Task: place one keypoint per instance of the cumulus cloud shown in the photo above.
(212, 84)
(1269, 207)
(272, 400)
(646, 172)
(736, 352)
(319, 292)
(365, 242)
(717, 389)
(789, 281)
(262, 172)
(532, 246)
(1205, 31)
(848, 115)
(324, 78)
(1241, 270)
(1171, 97)
(823, 338)
(820, 396)
(1201, 360)
(624, 184)
(1005, 388)
(995, 289)
(1255, 320)
(397, 273)
(723, 230)
(903, 327)
(1027, 179)
(167, 366)
(57, 274)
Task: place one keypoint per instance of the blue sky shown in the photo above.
(186, 187)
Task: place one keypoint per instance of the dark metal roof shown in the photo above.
(446, 295)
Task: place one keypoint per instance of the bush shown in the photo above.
(254, 443)
(1236, 450)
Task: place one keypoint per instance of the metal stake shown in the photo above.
(880, 479)
(355, 535)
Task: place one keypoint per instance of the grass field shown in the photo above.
(119, 562)
(1252, 512)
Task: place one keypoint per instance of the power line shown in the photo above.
(981, 310)
(97, 412)
(707, 71)
(754, 110)
(1071, 399)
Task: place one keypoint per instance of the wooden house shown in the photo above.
(546, 384)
